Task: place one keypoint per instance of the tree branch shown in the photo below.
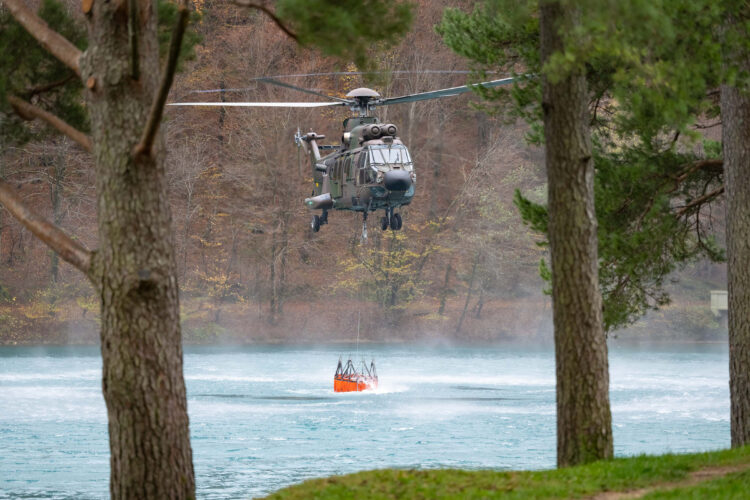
(157, 108)
(29, 112)
(677, 180)
(700, 164)
(70, 250)
(267, 11)
(40, 89)
(52, 41)
(700, 200)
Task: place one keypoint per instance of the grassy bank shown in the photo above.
(715, 475)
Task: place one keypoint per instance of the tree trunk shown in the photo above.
(444, 290)
(135, 267)
(480, 304)
(584, 422)
(468, 294)
(735, 117)
(186, 232)
(274, 290)
(438, 163)
(58, 169)
(283, 261)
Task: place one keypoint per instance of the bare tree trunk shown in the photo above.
(468, 294)
(735, 117)
(444, 290)
(584, 422)
(436, 187)
(186, 233)
(274, 291)
(480, 304)
(283, 261)
(58, 173)
(134, 269)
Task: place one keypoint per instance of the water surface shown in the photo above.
(263, 417)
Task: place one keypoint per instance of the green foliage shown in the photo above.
(623, 474)
(26, 68)
(30, 72)
(649, 66)
(167, 12)
(348, 29)
(643, 239)
(501, 35)
(533, 214)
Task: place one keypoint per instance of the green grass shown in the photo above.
(731, 487)
(621, 474)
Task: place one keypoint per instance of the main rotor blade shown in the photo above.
(334, 73)
(300, 89)
(436, 94)
(263, 104)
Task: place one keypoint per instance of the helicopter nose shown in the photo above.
(397, 180)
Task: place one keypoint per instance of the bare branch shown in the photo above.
(157, 108)
(700, 200)
(69, 249)
(266, 11)
(700, 164)
(40, 89)
(29, 112)
(712, 163)
(56, 44)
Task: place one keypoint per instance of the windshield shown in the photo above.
(382, 155)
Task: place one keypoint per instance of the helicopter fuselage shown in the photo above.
(371, 169)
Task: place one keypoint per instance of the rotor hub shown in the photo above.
(363, 96)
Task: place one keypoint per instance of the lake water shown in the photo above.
(265, 417)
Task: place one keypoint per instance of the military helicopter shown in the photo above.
(371, 168)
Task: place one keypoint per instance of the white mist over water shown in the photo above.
(263, 417)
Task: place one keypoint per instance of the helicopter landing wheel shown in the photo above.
(315, 223)
(384, 223)
(396, 222)
(324, 217)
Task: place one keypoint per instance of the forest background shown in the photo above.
(464, 267)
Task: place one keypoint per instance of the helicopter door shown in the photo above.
(361, 168)
(349, 166)
(336, 178)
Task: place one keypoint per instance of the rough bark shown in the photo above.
(584, 422)
(735, 117)
(134, 269)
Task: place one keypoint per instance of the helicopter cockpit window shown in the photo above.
(384, 156)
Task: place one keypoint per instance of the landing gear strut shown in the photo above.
(319, 220)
